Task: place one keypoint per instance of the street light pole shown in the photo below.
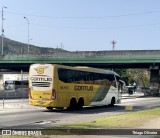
(2, 27)
(28, 32)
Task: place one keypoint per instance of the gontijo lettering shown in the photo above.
(40, 79)
(83, 88)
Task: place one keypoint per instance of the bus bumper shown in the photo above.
(40, 103)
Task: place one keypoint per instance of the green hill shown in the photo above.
(15, 47)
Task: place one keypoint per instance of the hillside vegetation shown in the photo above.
(15, 47)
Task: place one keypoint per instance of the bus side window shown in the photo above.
(79, 76)
(62, 74)
(71, 76)
(66, 75)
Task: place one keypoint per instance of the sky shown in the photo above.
(84, 25)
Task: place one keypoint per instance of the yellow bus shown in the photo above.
(59, 86)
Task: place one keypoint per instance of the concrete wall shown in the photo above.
(86, 54)
(17, 94)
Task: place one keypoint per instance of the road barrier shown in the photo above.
(22, 103)
(128, 107)
(6, 105)
(3, 103)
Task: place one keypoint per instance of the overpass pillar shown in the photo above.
(154, 80)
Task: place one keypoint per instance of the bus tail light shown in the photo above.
(53, 97)
(29, 92)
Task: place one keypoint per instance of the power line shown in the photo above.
(89, 17)
(87, 28)
(16, 25)
(85, 17)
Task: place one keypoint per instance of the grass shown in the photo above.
(16, 136)
(128, 120)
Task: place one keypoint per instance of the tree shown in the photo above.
(140, 76)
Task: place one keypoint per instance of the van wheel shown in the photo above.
(112, 102)
(49, 108)
(72, 105)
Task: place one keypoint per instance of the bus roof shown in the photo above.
(83, 68)
(90, 69)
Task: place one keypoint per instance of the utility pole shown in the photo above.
(2, 28)
(113, 44)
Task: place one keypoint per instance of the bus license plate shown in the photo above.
(40, 102)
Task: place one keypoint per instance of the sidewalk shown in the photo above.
(134, 95)
(21, 106)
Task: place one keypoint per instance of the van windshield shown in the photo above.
(9, 82)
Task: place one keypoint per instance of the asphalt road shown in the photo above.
(19, 114)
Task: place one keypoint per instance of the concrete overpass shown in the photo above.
(99, 59)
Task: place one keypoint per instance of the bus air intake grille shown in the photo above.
(41, 84)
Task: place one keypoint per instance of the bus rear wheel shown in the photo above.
(73, 104)
(112, 102)
(49, 108)
(80, 104)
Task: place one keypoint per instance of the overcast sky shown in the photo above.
(84, 25)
